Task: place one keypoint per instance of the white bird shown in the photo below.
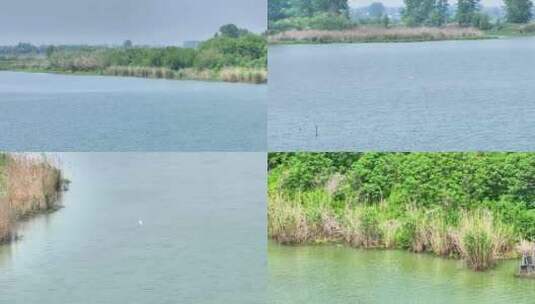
(140, 222)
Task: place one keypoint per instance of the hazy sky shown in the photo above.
(113, 21)
(357, 3)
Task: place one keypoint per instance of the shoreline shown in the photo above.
(478, 240)
(418, 202)
(252, 76)
(310, 37)
(300, 42)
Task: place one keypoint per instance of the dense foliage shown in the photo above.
(231, 47)
(479, 207)
(309, 14)
(501, 182)
(519, 11)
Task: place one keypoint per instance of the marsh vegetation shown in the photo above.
(325, 21)
(28, 185)
(472, 206)
(233, 55)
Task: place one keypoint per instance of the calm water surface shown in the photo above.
(202, 238)
(46, 112)
(345, 275)
(451, 95)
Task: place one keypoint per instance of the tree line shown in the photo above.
(231, 46)
(414, 13)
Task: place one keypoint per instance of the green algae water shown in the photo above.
(332, 274)
(146, 228)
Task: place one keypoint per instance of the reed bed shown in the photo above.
(31, 184)
(143, 72)
(377, 34)
(478, 238)
(227, 74)
(248, 75)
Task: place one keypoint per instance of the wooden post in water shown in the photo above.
(527, 265)
(316, 130)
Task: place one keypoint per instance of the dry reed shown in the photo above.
(32, 184)
(377, 34)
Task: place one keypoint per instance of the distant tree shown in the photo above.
(232, 31)
(302, 8)
(337, 7)
(519, 11)
(127, 44)
(466, 10)
(308, 8)
(376, 10)
(25, 48)
(418, 12)
(50, 51)
(386, 21)
(481, 21)
(439, 16)
(277, 9)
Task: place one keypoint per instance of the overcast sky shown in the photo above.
(113, 21)
(358, 3)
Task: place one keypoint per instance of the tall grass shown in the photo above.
(227, 74)
(32, 184)
(287, 222)
(477, 240)
(144, 72)
(248, 75)
(313, 217)
(377, 34)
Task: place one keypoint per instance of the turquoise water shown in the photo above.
(47, 112)
(202, 238)
(429, 96)
(330, 274)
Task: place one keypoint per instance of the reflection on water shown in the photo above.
(330, 274)
(202, 238)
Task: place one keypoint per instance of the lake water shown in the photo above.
(47, 112)
(433, 96)
(344, 275)
(202, 239)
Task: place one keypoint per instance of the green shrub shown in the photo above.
(319, 21)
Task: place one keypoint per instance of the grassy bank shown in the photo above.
(226, 74)
(233, 55)
(377, 34)
(28, 185)
(473, 206)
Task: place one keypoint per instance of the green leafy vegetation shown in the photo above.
(233, 54)
(474, 206)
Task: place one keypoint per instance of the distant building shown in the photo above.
(192, 44)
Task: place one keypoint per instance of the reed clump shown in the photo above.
(143, 72)
(287, 222)
(476, 241)
(248, 75)
(477, 238)
(377, 34)
(30, 185)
